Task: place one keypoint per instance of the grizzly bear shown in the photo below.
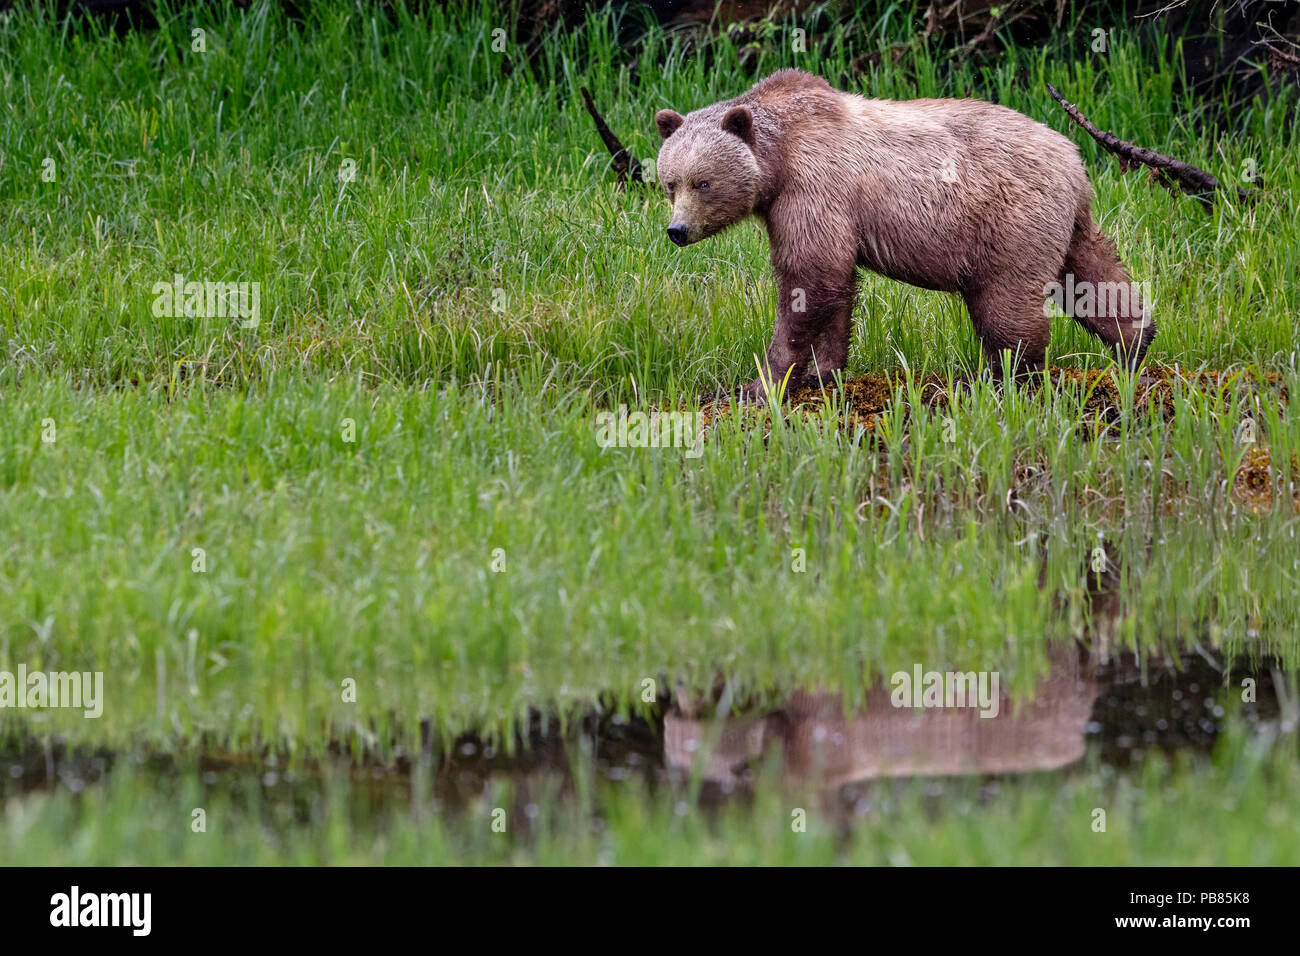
(954, 195)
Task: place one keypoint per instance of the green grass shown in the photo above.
(469, 301)
(373, 559)
(225, 165)
(1162, 813)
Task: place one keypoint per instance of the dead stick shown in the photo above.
(1282, 55)
(1190, 179)
(625, 164)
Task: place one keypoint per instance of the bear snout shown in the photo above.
(677, 234)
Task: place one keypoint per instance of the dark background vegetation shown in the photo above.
(1234, 50)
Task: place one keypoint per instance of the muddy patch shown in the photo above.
(858, 406)
(862, 400)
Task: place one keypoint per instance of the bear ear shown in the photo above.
(739, 121)
(668, 121)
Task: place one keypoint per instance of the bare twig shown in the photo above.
(1169, 172)
(1282, 55)
(625, 164)
(990, 28)
(999, 19)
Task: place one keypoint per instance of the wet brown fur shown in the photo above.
(959, 196)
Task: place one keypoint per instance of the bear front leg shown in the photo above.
(1009, 318)
(811, 337)
(830, 351)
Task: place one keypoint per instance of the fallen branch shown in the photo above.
(625, 164)
(1283, 57)
(1167, 171)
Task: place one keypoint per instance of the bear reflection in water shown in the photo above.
(819, 742)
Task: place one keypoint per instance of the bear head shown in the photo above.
(708, 169)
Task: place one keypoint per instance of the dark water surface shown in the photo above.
(1112, 714)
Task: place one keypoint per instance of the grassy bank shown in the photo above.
(384, 502)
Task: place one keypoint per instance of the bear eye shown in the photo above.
(703, 185)
(672, 187)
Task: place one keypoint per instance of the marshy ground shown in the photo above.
(358, 574)
(865, 408)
